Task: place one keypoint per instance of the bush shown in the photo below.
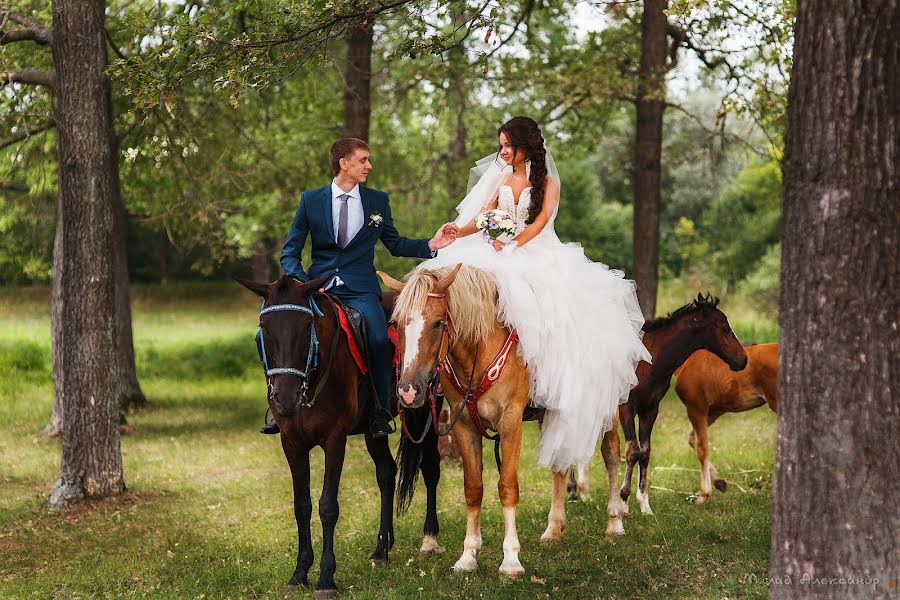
(762, 285)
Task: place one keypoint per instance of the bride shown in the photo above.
(579, 323)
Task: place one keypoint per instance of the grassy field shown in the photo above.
(208, 513)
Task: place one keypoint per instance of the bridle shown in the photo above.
(312, 355)
(433, 389)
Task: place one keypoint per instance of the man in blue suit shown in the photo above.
(344, 220)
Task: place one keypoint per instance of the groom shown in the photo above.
(344, 220)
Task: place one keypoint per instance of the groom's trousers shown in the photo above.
(380, 347)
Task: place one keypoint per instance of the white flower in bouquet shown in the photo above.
(496, 225)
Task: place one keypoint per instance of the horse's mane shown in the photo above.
(472, 299)
(687, 309)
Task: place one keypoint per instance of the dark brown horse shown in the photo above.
(313, 392)
(670, 340)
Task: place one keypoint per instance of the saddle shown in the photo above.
(354, 325)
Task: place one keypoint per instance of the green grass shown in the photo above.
(209, 507)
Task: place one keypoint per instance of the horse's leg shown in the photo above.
(701, 445)
(385, 474)
(626, 416)
(579, 487)
(615, 507)
(718, 483)
(298, 459)
(572, 485)
(646, 430)
(556, 520)
(510, 430)
(430, 468)
(470, 451)
(329, 512)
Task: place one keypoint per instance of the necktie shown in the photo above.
(342, 221)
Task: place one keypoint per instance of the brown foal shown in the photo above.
(709, 389)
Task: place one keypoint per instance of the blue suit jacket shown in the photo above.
(355, 264)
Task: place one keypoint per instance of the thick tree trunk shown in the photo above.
(91, 452)
(650, 104)
(358, 78)
(837, 488)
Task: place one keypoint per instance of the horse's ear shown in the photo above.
(393, 284)
(313, 284)
(442, 284)
(260, 289)
(699, 298)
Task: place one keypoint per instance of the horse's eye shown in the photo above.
(439, 324)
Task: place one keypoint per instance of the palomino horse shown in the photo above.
(709, 389)
(670, 340)
(313, 390)
(447, 319)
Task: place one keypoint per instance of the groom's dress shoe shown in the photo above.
(270, 428)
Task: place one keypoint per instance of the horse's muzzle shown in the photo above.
(739, 364)
(411, 396)
(284, 398)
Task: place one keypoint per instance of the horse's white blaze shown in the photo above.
(414, 330)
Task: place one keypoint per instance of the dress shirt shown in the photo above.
(355, 217)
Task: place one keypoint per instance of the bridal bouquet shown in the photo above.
(495, 224)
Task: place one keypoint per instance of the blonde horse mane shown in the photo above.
(472, 298)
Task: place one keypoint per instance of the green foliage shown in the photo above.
(744, 221)
(763, 284)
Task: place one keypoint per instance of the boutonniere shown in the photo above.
(375, 219)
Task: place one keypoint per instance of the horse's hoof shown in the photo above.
(551, 535)
(514, 569)
(572, 497)
(326, 594)
(465, 564)
(614, 531)
(430, 546)
(721, 485)
(698, 499)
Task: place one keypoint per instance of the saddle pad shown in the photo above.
(351, 341)
(395, 337)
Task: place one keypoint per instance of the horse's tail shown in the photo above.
(409, 455)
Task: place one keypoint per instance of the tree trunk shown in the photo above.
(836, 487)
(55, 426)
(650, 104)
(261, 262)
(456, 101)
(358, 78)
(130, 395)
(91, 453)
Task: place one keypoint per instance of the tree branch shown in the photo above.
(29, 76)
(26, 134)
(39, 36)
(33, 30)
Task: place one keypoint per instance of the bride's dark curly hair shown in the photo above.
(524, 133)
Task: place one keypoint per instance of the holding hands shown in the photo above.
(445, 236)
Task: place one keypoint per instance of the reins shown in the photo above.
(470, 396)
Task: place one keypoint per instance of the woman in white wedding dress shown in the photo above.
(579, 323)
